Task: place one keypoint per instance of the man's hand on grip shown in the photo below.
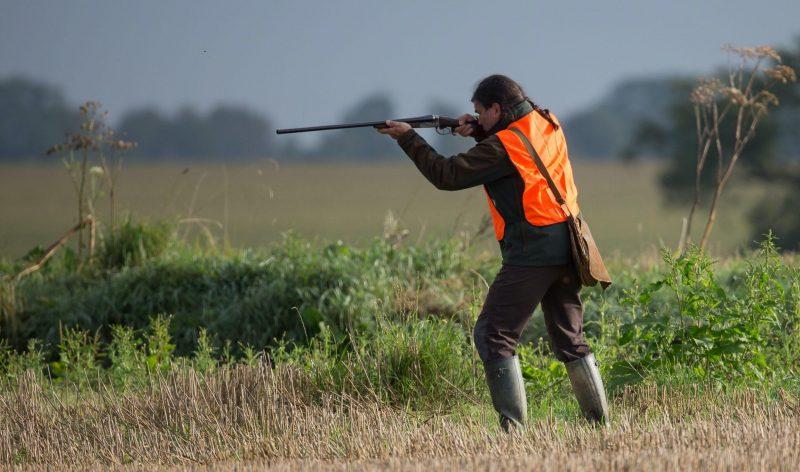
(466, 128)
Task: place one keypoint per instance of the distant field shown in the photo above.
(254, 203)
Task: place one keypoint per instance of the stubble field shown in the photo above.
(254, 418)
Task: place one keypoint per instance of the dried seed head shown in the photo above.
(767, 51)
(121, 145)
(767, 98)
(735, 95)
(706, 91)
(781, 73)
(758, 52)
(94, 134)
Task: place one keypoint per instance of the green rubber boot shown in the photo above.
(588, 388)
(504, 378)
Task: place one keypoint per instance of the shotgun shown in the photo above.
(427, 121)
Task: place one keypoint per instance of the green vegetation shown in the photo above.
(243, 298)
(387, 320)
(301, 351)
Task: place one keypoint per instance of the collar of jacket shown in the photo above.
(517, 111)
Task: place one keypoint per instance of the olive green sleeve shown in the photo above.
(485, 162)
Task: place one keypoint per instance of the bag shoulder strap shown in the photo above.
(542, 169)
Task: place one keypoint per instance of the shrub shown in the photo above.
(358, 322)
(246, 298)
(425, 363)
(132, 243)
(744, 332)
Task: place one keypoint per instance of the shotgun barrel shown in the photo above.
(427, 121)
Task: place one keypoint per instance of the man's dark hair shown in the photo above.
(498, 89)
(507, 93)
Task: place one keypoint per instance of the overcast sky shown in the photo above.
(304, 63)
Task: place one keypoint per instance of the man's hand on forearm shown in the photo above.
(395, 129)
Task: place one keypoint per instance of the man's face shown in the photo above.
(487, 117)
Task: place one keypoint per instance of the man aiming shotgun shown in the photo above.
(521, 160)
(531, 227)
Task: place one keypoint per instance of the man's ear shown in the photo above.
(497, 109)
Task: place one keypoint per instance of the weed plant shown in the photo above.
(346, 353)
(246, 298)
(389, 322)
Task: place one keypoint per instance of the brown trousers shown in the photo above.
(512, 298)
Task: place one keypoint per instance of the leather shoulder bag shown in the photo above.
(585, 254)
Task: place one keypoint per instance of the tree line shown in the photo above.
(34, 115)
(639, 117)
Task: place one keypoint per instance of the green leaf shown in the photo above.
(627, 335)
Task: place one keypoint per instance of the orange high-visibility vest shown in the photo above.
(539, 203)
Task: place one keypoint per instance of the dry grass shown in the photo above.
(254, 203)
(253, 417)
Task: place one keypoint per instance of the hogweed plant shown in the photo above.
(93, 157)
(743, 98)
